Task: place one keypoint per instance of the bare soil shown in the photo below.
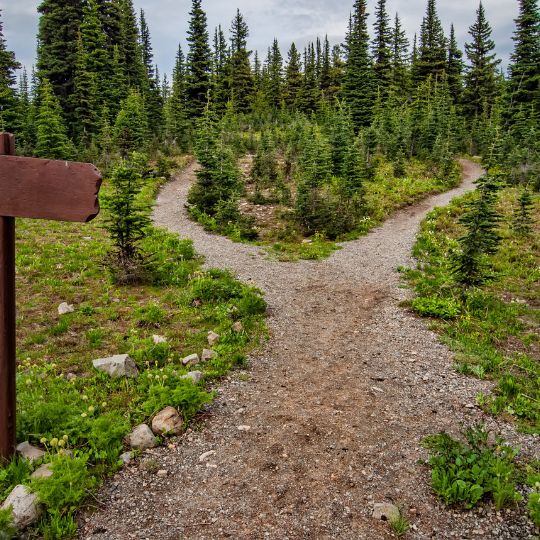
(336, 402)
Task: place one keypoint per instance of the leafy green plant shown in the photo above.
(464, 473)
(432, 306)
(400, 526)
(7, 531)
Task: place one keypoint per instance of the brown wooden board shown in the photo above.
(46, 189)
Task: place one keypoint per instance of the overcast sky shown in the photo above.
(288, 20)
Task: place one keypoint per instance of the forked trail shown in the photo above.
(337, 402)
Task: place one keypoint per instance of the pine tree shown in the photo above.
(382, 48)
(221, 68)
(199, 62)
(177, 116)
(337, 72)
(308, 97)
(400, 58)
(524, 85)
(52, 141)
(8, 103)
(241, 75)
(131, 126)
(480, 76)
(129, 50)
(293, 77)
(110, 16)
(454, 69)
(25, 117)
(325, 82)
(117, 88)
(355, 171)
(358, 87)
(522, 222)
(432, 57)
(341, 138)
(57, 49)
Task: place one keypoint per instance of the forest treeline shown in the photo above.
(95, 91)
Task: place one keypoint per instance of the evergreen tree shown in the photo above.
(275, 77)
(341, 138)
(432, 57)
(325, 82)
(59, 26)
(110, 16)
(308, 97)
(400, 58)
(355, 172)
(382, 48)
(293, 77)
(525, 60)
(131, 126)
(25, 117)
(51, 137)
(241, 75)
(130, 51)
(336, 74)
(358, 87)
(177, 116)
(522, 222)
(199, 62)
(480, 77)
(117, 89)
(221, 67)
(454, 68)
(8, 66)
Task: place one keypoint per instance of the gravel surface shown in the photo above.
(329, 418)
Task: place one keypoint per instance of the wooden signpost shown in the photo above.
(41, 189)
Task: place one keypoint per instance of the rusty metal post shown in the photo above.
(7, 323)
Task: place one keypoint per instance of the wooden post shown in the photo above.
(8, 365)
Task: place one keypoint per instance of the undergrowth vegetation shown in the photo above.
(78, 416)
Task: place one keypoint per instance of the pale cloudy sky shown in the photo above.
(288, 20)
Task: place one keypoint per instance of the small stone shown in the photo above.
(29, 452)
(386, 512)
(243, 428)
(25, 507)
(71, 377)
(162, 473)
(208, 354)
(195, 376)
(191, 360)
(126, 457)
(64, 308)
(167, 421)
(213, 338)
(237, 327)
(45, 471)
(206, 455)
(142, 438)
(470, 405)
(158, 339)
(120, 365)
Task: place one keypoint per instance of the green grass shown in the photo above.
(90, 414)
(494, 330)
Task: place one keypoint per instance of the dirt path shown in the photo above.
(337, 403)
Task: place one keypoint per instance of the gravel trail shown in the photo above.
(336, 402)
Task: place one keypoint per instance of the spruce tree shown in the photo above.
(400, 58)
(199, 62)
(110, 16)
(25, 117)
(432, 57)
(454, 69)
(275, 77)
(336, 74)
(58, 32)
(221, 69)
(358, 88)
(293, 77)
(382, 48)
(480, 75)
(130, 55)
(522, 222)
(131, 126)
(177, 116)
(308, 97)
(9, 114)
(524, 87)
(241, 75)
(52, 141)
(325, 79)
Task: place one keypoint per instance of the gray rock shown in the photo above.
(213, 338)
(158, 339)
(142, 438)
(162, 473)
(29, 452)
(45, 471)
(71, 376)
(191, 360)
(208, 354)
(195, 376)
(386, 511)
(25, 507)
(167, 421)
(126, 457)
(120, 365)
(64, 308)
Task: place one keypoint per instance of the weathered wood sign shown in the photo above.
(40, 189)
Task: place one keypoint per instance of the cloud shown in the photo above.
(287, 20)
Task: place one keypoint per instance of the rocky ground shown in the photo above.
(328, 420)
